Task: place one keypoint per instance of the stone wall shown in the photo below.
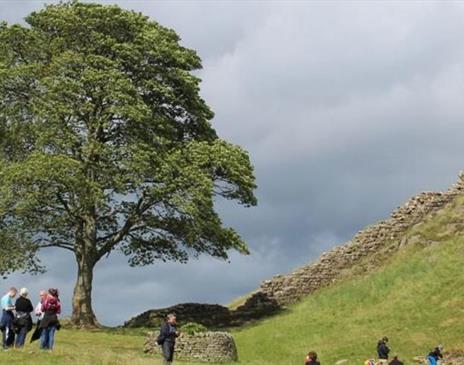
(375, 242)
(206, 347)
(367, 250)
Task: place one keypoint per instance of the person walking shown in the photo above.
(434, 356)
(311, 359)
(51, 307)
(167, 338)
(6, 321)
(383, 351)
(23, 319)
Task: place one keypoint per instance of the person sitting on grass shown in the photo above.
(370, 361)
(51, 307)
(434, 356)
(311, 359)
(395, 361)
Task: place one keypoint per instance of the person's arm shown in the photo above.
(58, 308)
(29, 307)
(9, 306)
(44, 306)
(384, 349)
(38, 309)
(164, 331)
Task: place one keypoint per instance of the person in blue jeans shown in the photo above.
(6, 320)
(51, 307)
(23, 319)
(434, 356)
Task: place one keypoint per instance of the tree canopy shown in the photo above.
(106, 143)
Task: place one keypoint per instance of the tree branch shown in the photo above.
(59, 245)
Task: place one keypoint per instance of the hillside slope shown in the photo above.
(416, 297)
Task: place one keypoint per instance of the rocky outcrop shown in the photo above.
(212, 316)
(205, 347)
(209, 315)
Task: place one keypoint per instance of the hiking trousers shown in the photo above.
(168, 351)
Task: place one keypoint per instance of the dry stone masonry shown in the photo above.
(366, 250)
(205, 347)
(378, 239)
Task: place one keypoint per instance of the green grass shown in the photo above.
(416, 299)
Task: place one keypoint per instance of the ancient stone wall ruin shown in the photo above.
(368, 248)
(205, 347)
(375, 241)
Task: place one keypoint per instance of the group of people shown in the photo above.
(16, 319)
(383, 352)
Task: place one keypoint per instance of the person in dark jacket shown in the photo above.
(395, 361)
(7, 318)
(167, 338)
(51, 307)
(311, 359)
(435, 355)
(383, 350)
(23, 319)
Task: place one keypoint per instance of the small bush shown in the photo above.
(191, 328)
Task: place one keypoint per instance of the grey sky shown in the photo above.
(347, 109)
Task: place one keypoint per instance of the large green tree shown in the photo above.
(106, 144)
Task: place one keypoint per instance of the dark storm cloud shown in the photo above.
(347, 109)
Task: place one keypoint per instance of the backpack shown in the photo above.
(160, 339)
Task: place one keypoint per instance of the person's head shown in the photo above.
(53, 292)
(12, 292)
(312, 355)
(43, 294)
(171, 318)
(385, 339)
(440, 348)
(24, 292)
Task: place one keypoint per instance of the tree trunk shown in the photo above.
(86, 257)
(82, 314)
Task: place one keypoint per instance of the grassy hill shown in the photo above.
(416, 299)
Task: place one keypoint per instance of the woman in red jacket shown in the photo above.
(51, 307)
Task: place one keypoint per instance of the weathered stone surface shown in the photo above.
(212, 316)
(209, 315)
(206, 347)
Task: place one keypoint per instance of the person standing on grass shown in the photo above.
(39, 314)
(51, 307)
(6, 321)
(167, 338)
(311, 359)
(383, 351)
(23, 319)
